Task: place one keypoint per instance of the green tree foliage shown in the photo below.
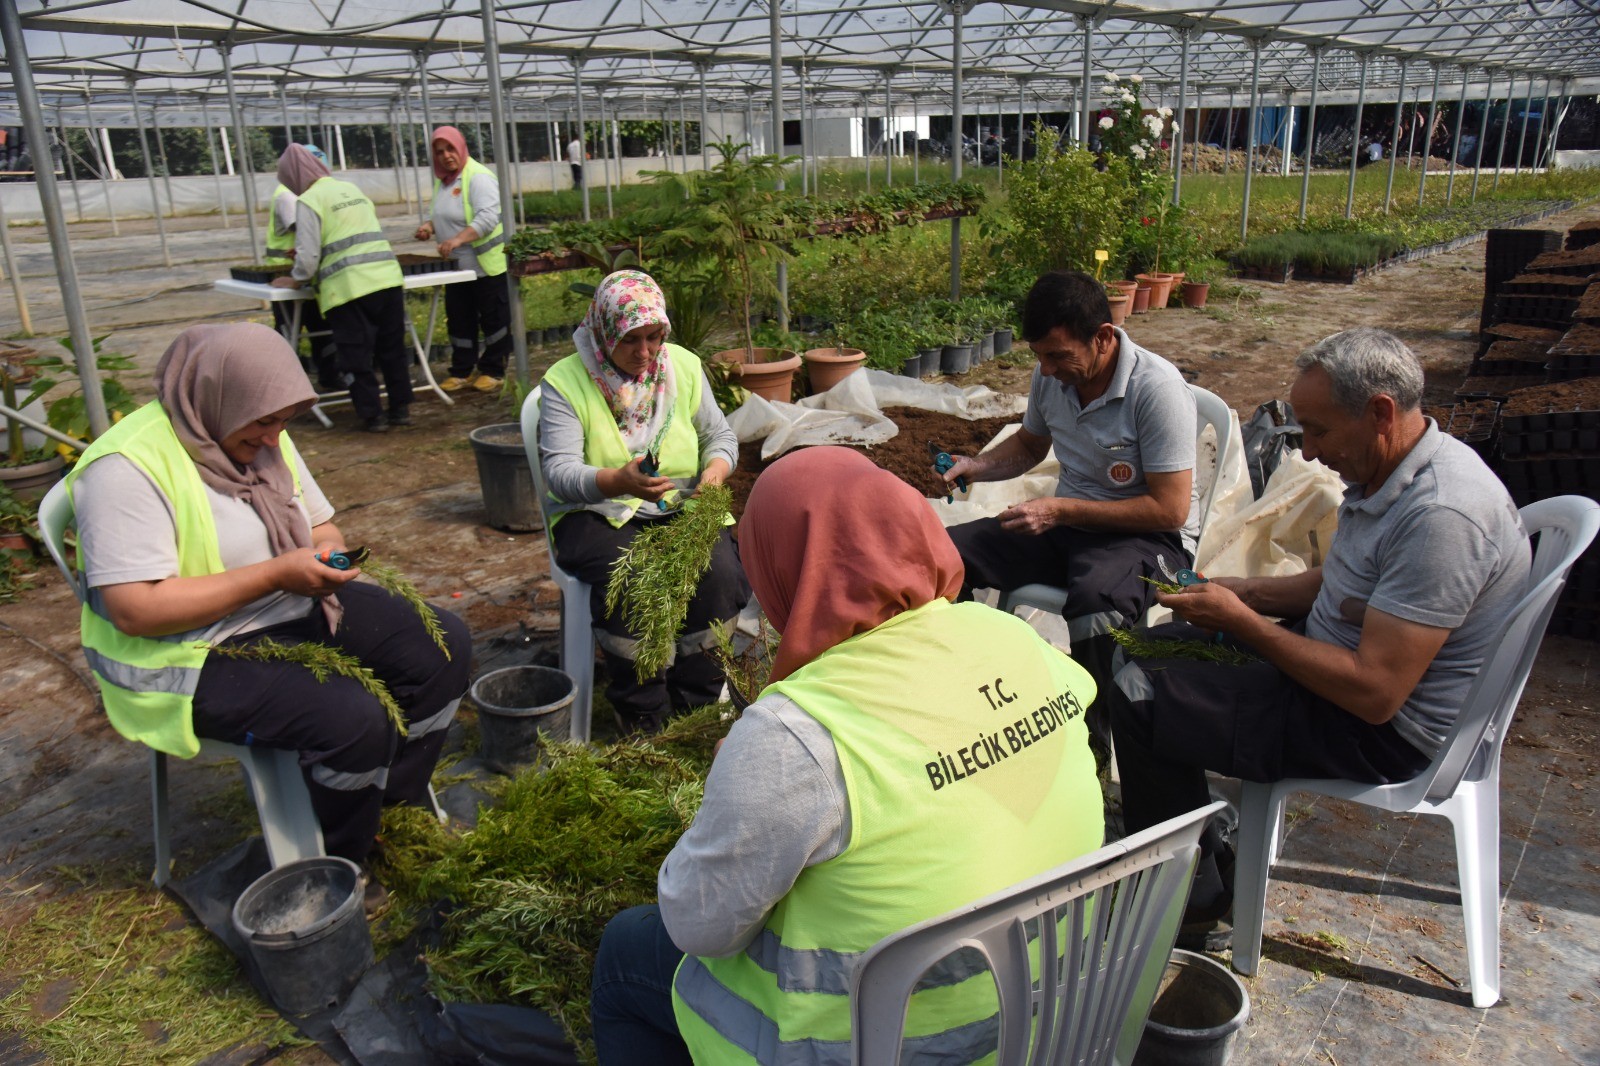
(1060, 208)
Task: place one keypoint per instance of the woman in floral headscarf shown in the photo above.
(627, 429)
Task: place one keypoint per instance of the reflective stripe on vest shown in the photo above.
(280, 242)
(148, 683)
(603, 445)
(963, 780)
(489, 247)
(356, 259)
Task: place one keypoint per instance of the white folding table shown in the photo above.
(256, 290)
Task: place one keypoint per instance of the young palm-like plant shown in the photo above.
(730, 217)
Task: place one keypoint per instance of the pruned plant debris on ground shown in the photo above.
(564, 848)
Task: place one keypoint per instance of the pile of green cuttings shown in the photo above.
(564, 848)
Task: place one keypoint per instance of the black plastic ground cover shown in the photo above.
(390, 1019)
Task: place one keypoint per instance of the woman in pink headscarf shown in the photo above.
(200, 527)
(911, 755)
(628, 427)
(466, 223)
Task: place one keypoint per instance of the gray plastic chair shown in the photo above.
(273, 777)
(1210, 411)
(1462, 783)
(577, 623)
(1128, 897)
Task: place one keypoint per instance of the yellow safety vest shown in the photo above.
(490, 247)
(603, 446)
(148, 683)
(356, 259)
(965, 775)
(280, 242)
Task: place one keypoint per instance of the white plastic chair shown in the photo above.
(577, 623)
(1210, 411)
(273, 777)
(1091, 1007)
(1461, 784)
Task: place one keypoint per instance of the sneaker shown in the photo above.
(376, 424)
(486, 383)
(455, 384)
(400, 416)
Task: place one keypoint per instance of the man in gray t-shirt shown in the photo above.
(1385, 637)
(1121, 422)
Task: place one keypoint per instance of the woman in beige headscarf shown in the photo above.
(200, 527)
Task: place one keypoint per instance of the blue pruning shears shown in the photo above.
(650, 466)
(347, 559)
(1184, 577)
(942, 462)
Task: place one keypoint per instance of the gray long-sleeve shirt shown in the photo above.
(450, 214)
(576, 485)
(307, 243)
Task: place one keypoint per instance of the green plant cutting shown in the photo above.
(323, 662)
(1139, 644)
(656, 576)
(395, 583)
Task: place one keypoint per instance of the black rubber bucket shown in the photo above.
(955, 359)
(516, 705)
(505, 479)
(306, 932)
(1002, 341)
(1198, 1013)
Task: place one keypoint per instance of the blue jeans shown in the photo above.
(631, 1002)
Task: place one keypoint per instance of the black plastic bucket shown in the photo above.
(955, 359)
(1198, 1013)
(505, 479)
(515, 705)
(306, 932)
(1002, 341)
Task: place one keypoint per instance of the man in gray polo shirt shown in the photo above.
(1382, 641)
(1122, 423)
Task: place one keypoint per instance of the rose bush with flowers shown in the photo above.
(1125, 129)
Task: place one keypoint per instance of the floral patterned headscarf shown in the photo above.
(625, 301)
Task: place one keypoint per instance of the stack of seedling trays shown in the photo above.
(1497, 386)
(1507, 253)
(1583, 235)
(1579, 262)
(1472, 422)
(1549, 445)
(411, 265)
(1547, 301)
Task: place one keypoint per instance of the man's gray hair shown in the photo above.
(1363, 362)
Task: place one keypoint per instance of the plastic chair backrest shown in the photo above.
(1127, 899)
(1212, 411)
(55, 515)
(530, 444)
(1566, 525)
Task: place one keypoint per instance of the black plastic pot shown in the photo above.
(517, 707)
(304, 929)
(1197, 1016)
(1002, 341)
(955, 359)
(505, 479)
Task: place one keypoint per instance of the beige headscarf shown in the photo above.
(298, 169)
(215, 380)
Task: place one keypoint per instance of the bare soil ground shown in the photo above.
(74, 809)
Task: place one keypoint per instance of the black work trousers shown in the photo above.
(1102, 573)
(587, 547)
(1174, 719)
(370, 331)
(470, 306)
(354, 759)
(314, 330)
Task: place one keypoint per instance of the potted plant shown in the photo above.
(1197, 282)
(29, 472)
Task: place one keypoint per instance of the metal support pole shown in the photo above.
(1394, 146)
(1227, 138)
(1483, 132)
(427, 98)
(1084, 103)
(1288, 134)
(283, 102)
(1250, 139)
(866, 141)
(1177, 127)
(149, 172)
(14, 274)
(338, 140)
(1311, 131)
(502, 165)
(102, 163)
(216, 169)
(683, 132)
(1455, 142)
(161, 154)
(808, 106)
(705, 147)
(399, 158)
(421, 148)
(775, 42)
(583, 132)
(555, 144)
(605, 155)
(1522, 138)
(1411, 129)
(1355, 142)
(1555, 122)
(516, 168)
(1427, 140)
(1199, 121)
(888, 128)
(958, 12)
(1500, 153)
(55, 220)
(750, 125)
(1538, 137)
(916, 141)
(72, 171)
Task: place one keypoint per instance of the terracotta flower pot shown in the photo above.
(826, 367)
(1127, 288)
(1141, 299)
(16, 542)
(1194, 293)
(1160, 289)
(1119, 308)
(767, 372)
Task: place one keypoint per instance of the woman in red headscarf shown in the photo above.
(466, 223)
(911, 755)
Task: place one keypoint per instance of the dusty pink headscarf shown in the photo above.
(298, 169)
(214, 380)
(458, 142)
(835, 546)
